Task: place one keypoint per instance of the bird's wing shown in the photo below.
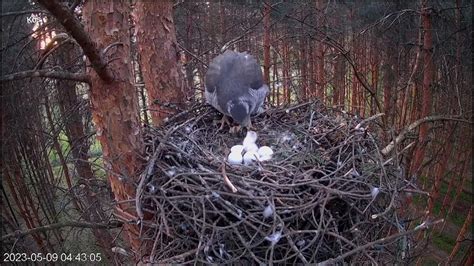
(259, 96)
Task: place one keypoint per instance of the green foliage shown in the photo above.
(95, 150)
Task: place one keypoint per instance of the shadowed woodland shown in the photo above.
(109, 150)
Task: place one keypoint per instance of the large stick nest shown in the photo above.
(315, 201)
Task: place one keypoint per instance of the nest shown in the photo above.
(327, 195)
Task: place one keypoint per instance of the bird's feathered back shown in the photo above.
(231, 75)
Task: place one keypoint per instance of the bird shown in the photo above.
(234, 86)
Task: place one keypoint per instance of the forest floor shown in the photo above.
(443, 237)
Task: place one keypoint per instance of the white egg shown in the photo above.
(251, 137)
(235, 158)
(237, 148)
(265, 153)
(250, 157)
(250, 147)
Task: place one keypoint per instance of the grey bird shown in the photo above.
(235, 87)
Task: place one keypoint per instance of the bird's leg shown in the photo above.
(224, 120)
(238, 128)
(235, 129)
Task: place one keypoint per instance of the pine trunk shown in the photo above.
(428, 74)
(162, 71)
(115, 110)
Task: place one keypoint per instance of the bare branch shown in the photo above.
(401, 137)
(75, 28)
(47, 73)
(423, 226)
(56, 42)
(25, 12)
(48, 227)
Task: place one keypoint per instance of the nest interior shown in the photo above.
(326, 194)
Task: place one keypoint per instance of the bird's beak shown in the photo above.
(246, 123)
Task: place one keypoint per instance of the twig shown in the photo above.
(18, 234)
(424, 226)
(227, 180)
(144, 176)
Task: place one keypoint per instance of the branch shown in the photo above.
(25, 12)
(18, 234)
(75, 28)
(422, 226)
(359, 126)
(56, 42)
(401, 137)
(47, 73)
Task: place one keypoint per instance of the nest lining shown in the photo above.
(325, 192)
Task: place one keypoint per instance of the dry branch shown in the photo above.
(47, 73)
(74, 27)
(19, 234)
(401, 137)
(423, 226)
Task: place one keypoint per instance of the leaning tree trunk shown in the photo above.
(115, 109)
(157, 46)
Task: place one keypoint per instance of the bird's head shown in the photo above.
(239, 111)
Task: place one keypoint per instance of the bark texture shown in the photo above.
(115, 108)
(428, 74)
(162, 71)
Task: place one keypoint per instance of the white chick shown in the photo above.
(235, 158)
(251, 137)
(250, 157)
(237, 148)
(265, 153)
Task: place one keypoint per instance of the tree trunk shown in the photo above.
(428, 74)
(465, 228)
(457, 175)
(57, 147)
(464, 175)
(158, 48)
(320, 81)
(115, 109)
(69, 106)
(338, 92)
(440, 170)
(286, 73)
(266, 42)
